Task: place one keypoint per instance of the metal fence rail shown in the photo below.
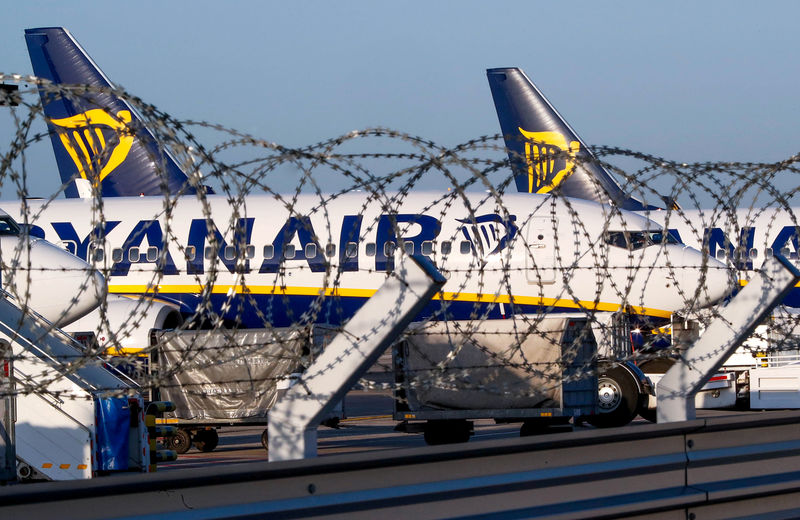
(706, 468)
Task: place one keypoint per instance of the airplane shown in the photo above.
(57, 56)
(273, 266)
(546, 154)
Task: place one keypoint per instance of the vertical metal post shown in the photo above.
(8, 452)
(294, 419)
(738, 319)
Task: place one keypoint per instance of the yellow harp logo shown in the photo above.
(86, 142)
(545, 152)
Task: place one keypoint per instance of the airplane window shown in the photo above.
(351, 250)
(209, 253)
(133, 254)
(116, 255)
(721, 254)
(250, 251)
(330, 250)
(288, 251)
(152, 253)
(8, 226)
(427, 247)
(98, 255)
(785, 251)
(445, 247)
(465, 247)
(189, 253)
(408, 247)
(269, 251)
(311, 250)
(388, 248)
(754, 253)
(371, 249)
(230, 252)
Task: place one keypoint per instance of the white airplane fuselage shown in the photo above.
(743, 239)
(269, 262)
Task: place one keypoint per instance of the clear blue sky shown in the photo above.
(690, 81)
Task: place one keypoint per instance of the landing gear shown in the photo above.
(181, 441)
(206, 440)
(618, 397)
(449, 431)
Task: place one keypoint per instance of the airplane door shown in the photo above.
(540, 257)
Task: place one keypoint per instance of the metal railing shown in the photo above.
(722, 466)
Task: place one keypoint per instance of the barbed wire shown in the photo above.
(295, 239)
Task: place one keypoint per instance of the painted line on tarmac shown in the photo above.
(366, 418)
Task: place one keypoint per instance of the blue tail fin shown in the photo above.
(97, 137)
(545, 152)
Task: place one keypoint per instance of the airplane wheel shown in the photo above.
(618, 398)
(447, 432)
(181, 441)
(206, 440)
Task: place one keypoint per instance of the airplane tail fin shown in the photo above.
(97, 137)
(545, 152)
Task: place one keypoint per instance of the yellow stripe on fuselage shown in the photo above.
(366, 293)
(745, 282)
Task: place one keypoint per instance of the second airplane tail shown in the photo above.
(97, 137)
(545, 152)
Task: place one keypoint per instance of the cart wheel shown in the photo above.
(265, 439)
(181, 441)
(206, 440)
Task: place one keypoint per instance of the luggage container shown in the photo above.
(220, 378)
(538, 371)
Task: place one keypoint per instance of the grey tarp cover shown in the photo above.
(226, 374)
(498, 366)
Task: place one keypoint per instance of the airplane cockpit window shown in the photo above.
(634, 240)
(8, 227)
(616, 239)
